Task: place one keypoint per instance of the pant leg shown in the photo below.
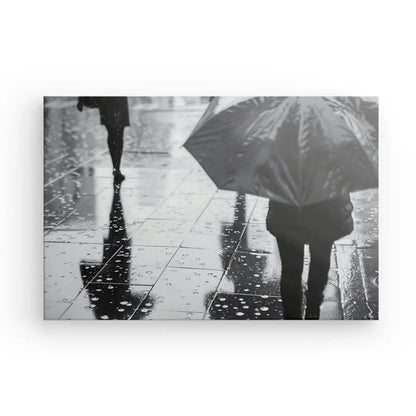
(291, 255)
(115, 144)
(318, 275)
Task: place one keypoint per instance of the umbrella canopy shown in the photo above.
(295, 150)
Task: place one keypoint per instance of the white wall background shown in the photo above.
(215, 47)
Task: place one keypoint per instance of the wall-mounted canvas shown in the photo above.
(210, 208)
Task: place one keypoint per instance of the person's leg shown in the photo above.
(118, 147)
(318, 276)
(111, 138)
(115, 145)
(291, 255)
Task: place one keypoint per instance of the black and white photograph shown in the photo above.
(207, 207)
(211, 208)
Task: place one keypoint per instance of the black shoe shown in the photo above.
(118, 176)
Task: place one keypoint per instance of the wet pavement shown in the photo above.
(167, 244)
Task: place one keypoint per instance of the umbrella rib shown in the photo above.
(299, 152)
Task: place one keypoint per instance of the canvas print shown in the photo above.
(211, 208)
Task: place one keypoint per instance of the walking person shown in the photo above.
(114, 115)
(305, 154)
(318, 225)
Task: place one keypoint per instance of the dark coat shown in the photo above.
(328, 220)
(114, 111)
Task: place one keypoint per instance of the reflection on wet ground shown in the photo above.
(167, 244)
(229, 306)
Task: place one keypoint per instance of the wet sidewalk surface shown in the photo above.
(167, 244)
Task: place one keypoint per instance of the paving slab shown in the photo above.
(185, 290)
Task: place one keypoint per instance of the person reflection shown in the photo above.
(240, 276)
(231, 233)
(249, 274)
(110, 293)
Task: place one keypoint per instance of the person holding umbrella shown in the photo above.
(306, 154)
(318, 225)
(114, 115)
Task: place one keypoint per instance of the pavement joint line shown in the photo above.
(165, 198)
(89, 282)
(53, 160)
(65, 311)
(333, 284)
(197, 268)
(74, 169)
(119, 284)
(229, 262)
(259, 253)
(67, 216)
(179, 246)
(249, 294)
(178, 310)
(51, 200)
(181, 182)
(72, 242)
(103, 267)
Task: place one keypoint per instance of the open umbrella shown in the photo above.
(295, 150)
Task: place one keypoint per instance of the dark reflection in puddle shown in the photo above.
(240, 217)
(252, 273)
(257, 239)
(233, 306)
(167, 315)
(106, 301)
(184, 289)
(63, 281)
(247, 274)
(109, 294)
